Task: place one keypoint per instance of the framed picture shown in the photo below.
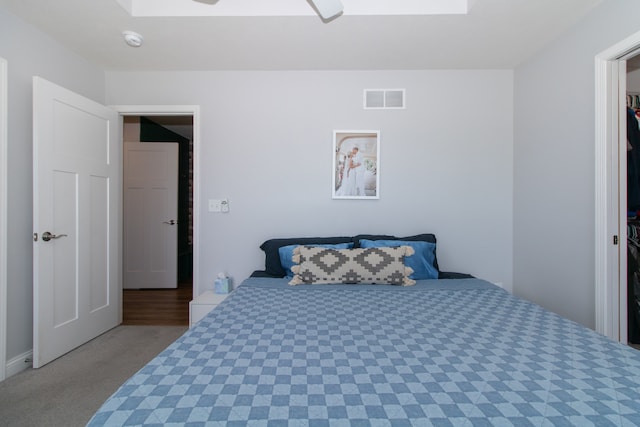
(356, 164)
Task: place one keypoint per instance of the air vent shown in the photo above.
(383, 98)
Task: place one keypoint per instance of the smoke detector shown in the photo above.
(132, 38)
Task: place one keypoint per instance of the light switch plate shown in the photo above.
(218, 205)
(215, 205)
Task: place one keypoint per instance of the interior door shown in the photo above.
(76, 218)
(150, 215)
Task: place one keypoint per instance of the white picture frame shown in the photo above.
(356, 164)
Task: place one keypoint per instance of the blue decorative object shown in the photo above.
(422, 261)
(221, 285)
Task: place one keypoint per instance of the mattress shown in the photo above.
(458, 352)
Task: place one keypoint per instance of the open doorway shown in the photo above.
(611, 213)
(159, 305)
(633, 200)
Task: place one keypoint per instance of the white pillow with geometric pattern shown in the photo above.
(318, 265)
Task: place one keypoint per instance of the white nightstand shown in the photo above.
(203, 304)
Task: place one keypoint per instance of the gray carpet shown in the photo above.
(68, 391)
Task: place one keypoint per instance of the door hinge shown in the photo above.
(615, 240)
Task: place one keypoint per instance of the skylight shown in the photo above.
(290, 7)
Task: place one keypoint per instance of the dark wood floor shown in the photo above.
(157, 306)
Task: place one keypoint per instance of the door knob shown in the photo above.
(172, 222)
(46, 236)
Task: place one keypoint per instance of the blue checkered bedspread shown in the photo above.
(441, 353)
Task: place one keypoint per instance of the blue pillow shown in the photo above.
(421, 262)
(286, 254)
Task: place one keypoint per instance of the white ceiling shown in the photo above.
(495, 34)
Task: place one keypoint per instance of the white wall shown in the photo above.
(131, 129)
(633, 81)
(266, 144)
(554, 163)
(29, 52)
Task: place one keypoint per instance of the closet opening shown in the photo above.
(633, 200)
(611, 215)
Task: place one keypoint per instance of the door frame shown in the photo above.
(4, 209)
(177, 110)
(610, 206)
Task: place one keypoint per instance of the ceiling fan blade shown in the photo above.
(327, 9)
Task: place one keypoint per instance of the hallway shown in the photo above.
(157, 306)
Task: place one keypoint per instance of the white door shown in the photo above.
(150, 215)
(76, 208)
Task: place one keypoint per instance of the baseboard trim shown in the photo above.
(19, 363)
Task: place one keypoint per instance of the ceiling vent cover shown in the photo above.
(384, 98)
